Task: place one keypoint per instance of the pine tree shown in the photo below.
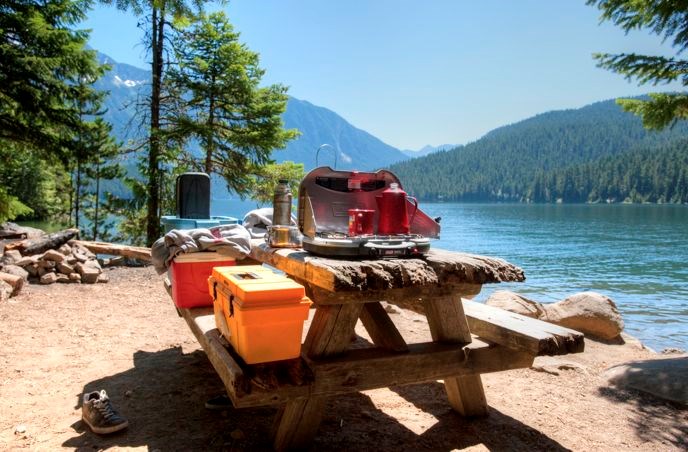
(221, 105)
(665, 18)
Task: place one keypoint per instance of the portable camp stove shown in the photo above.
(373, 246)
(326, 195)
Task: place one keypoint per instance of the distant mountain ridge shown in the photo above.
(429, 149)
(356, 148)
(533, 160)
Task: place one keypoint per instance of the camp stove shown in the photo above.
(325, 198)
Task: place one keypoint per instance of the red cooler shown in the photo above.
(189, 274)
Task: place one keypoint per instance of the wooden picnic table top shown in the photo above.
(439, 272)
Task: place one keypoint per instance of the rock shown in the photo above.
(62, 278)
(93, 263)
(53, 255)
(17, 271)
(552, 365)
(10, 257)
(65, 268)
(25, 261)
(19, 429)
(672, 351)
(65, 250)
(32, 269)
(80, 249)
(48, 278)
(5, 291)
(391, 309)
(103, 278)
(47, 264)
(80, 257)
(75, 277)
(588, 312)
(71, 260)
(513, 302)
(663, 378)
(40, 271)
(89, 274)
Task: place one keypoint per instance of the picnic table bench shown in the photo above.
(468, 338)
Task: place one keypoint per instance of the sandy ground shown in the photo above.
(125, 336)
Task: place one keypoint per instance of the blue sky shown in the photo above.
(420, 72)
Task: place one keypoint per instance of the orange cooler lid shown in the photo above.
(255, 284)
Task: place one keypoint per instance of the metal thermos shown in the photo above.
(281, 204)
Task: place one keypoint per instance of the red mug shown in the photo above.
(360, 222)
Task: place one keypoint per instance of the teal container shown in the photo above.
(169, 222)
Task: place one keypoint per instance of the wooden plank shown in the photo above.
(240, 388)
(448, 324)
(331, 330)
(520, 332)
(438, 268)
(364, 369)
(381, 328)
(329, 335)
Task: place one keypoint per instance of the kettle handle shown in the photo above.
(415, 209)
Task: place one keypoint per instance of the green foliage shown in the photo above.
(42, 61)
(35, 181)
(11, 207)
(264, 184)
(549, 157)
(221, 105)
(668, 19)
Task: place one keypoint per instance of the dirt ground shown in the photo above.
(125, 336)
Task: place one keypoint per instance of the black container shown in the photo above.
(192, 193)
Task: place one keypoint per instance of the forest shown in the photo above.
(597, 153)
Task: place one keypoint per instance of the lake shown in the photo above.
(635, 254)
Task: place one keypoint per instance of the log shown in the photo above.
(17, 282)
(114, 249)
(51, 241)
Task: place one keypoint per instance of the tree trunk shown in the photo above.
(153, 207)
(97, 201)
(77, 193)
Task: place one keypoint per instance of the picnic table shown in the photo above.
(468, 338)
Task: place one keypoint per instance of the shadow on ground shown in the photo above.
(652, 414)
(166, 412)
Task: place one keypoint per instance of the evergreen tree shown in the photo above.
(668, 19)
(221, 105)
(160, 15)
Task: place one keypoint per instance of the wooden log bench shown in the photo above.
(468, 338)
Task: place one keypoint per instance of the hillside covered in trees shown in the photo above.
(597, 153)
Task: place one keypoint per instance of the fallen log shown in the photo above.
(17, 282)
(39, 245)
(136, 252)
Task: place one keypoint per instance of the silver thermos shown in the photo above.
(282, 234)
(281, 204)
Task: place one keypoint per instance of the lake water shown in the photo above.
(635, 254)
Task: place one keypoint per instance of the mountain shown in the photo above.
(428, 149)
(356, 148)
(534, 160)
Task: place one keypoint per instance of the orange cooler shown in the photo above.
(261, 312)
(189, 274)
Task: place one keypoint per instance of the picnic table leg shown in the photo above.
(448, 323)
(330, 333)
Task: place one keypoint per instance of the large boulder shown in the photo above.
(10, 257)
(588, 312)
(663, 378)
(513, 302)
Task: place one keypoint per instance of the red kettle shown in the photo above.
(393, 215)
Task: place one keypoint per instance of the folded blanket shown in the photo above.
(231, 240)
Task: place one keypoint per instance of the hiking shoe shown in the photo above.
(98, 413)
(221, 402)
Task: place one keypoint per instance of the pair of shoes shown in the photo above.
(219, 403)
(98, 413)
